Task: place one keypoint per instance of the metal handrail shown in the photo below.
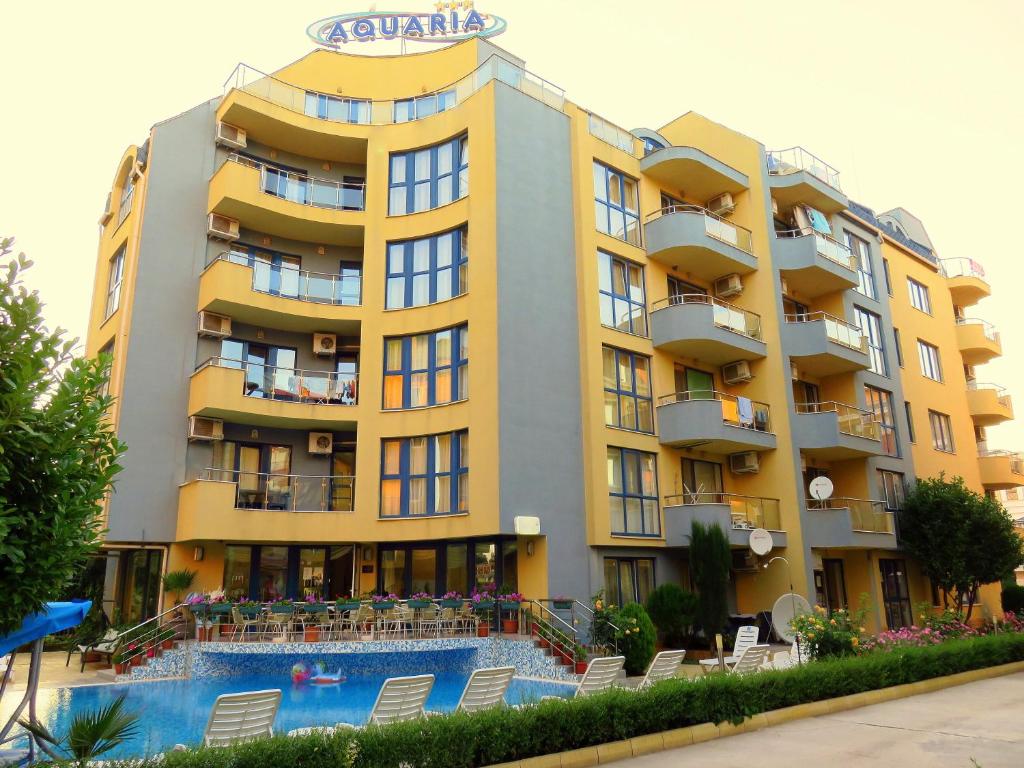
(989, 330)
(714, 225)
(305, 184)
(144, 640)
(979, 385)
(836, 329)
(298, 385)
(283, 492)
(760, 412)
(866, 515)
(851, 419)
(961, 267)
(785, 161)
(725, 315)
(826, 245)
(305, 280)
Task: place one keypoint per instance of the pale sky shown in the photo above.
(916, 103)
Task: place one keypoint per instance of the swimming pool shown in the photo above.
(175, 711)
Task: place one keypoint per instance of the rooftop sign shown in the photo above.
(449, 23)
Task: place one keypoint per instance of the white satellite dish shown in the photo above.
(760, 541)
(821, 488)
(786, 608)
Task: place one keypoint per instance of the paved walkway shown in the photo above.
(977, 724)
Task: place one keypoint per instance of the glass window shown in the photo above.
(871, 326)
(899, 346)
(910, 422)
(427, 270)
(457, 569)
(928, 355)
(485, 574)
(114, 279)
(392, 572)
(895, 593)
(311, 572)
(273, 573)
(423, 106)
(880, 404)
(892, 488)
(888, 278)
(425, 475)
(616, 204)
(862, 253)
(237, 571)
(343, 110)
(623, 297)
(628, 580)
(127, 195)
(633, 492)
(427, 369)
(429, 178)
(702, 482)
(919, 297)
(942, 432)
(627, 390)
(424, 571)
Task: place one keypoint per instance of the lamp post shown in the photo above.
(792, 598)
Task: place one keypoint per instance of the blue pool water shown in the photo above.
(175, 711)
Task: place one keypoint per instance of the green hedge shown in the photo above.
(502, 735)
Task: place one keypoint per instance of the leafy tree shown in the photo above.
(673, 611)
(710, 560)
(58, 452)
(961, 538)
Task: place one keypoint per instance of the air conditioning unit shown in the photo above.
(214, 326)
(230, 136)
(202, 428)
(730, 285)
(785, 286)
(222, 227)
(745, 463)
(736, 373)
(321, 443)
(722, 205)
(325, 344)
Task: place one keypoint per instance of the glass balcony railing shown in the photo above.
(852, 421)
(987, 328)
(291, 384)
(747, 512)
(725, 315)
(286, 493)
(866, 515)
(1016, 460)
(1000, 392)
(714, 226)
(836, 329)
(826, 246)
(292, 283)
(736, 411)
(610, 133)
(794, 159)
(306, 190)
(962, 267)
(384, 112)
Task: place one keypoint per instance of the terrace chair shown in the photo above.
(243, 619)
(448, 621)
(485, 688)
(751, 660)
(600, 676)
(664, 666)
(796, 654)
(429, 619)
(466, 620)
(105, 646)
(344, 620)
(241, 717)
(746, 636)
(281, 618)
(399, 699)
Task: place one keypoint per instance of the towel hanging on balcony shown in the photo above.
(746, 412)
(819, 221)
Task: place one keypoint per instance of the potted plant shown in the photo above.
(510, 601)
(347, 603)
(137, 659)
(383, 602)
(121, 663)
(167, 639)
(580, 654)
(177, 582)
(483, 603)
(452, 600)
(311, 632)
(562, 602)
(419, 600)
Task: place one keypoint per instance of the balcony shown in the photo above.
(714, 422)
(229, 505)
(704, 328)
(814, 264)
(825, 345)
(988, 404)
(262, 395)
(835, 431)
(796, 176)
(736, 515)
(845, 523)
(701, 175)
(978, 340)
(697, 241)
(288, 205)
(266, 295)
(966, 281)
(1000, 470)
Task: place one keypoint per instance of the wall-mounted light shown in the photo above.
(198, 553)
(254, 434)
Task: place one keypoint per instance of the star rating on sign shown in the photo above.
(453, 6)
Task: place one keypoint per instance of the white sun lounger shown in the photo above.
(664, 666)
(745, 637)
(241, 717)
(601, 674)
(485, 688)
(751, 660)
(399, 699)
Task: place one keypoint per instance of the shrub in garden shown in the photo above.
(1013, 599)
(637, 640)
(832, 635)
(673, 611)
(710, 561)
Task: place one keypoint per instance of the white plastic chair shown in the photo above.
(664, 666)
(601, 675)
(485, 688)
(751, 660)
(746, 636)
(241, 717)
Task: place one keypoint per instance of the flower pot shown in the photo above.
(120, 667)
(204, 634)
(509, 606)
(354, 606)
(567, 660)
(454, 604)
(311, 635)
(542, 643)
(151, 653)
(137, 660)
(509, 626)
(581, 668)
(167, 644)
(483, 605)
(419, 604)
(483, 630)
(383, 606)
(563, 605)
(226, 630)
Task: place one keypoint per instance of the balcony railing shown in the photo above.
(987, 328)
(852, 421)
(1016, 459)
(866, 515)
(826, 246)
(836, 329)
(292, 283)
(612, 134)
(962, 267)
(725, 315)
(306, 190)
(736, 411)
(388, 111)
(291, 384)
(1000, 392)
(286, 493)
(714, 226)
(794, 159)
(747, 512)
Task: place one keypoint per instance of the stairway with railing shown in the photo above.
(152, 636)
(571, 630)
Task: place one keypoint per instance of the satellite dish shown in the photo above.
(760, 541)
(786, 608)
(821, 488)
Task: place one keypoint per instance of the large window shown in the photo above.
(862, 253)
(633, 492)
(919, 296)
(427, 270)
(895, 593)
(616, 204)
(942, 432)
(127, 196)
(114, 279)
(702, 482)
(627, 390)
(426, 475)
(427, 369)
(931, 366)
(430, 177)
(423, 106)
(880, 404)
(871, 325)
(336, 108)
(281, 274)
(628, 580)
(892, 488)
(623, 295)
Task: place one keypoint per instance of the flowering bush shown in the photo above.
(511, 597)
(390, 598)
(314, 598)
(420, 596)
(830, 635)
(1011, 622)
(452, 596)
(603, 632)
(637, 637)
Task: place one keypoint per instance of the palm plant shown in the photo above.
(90, 734)
(178, 582)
